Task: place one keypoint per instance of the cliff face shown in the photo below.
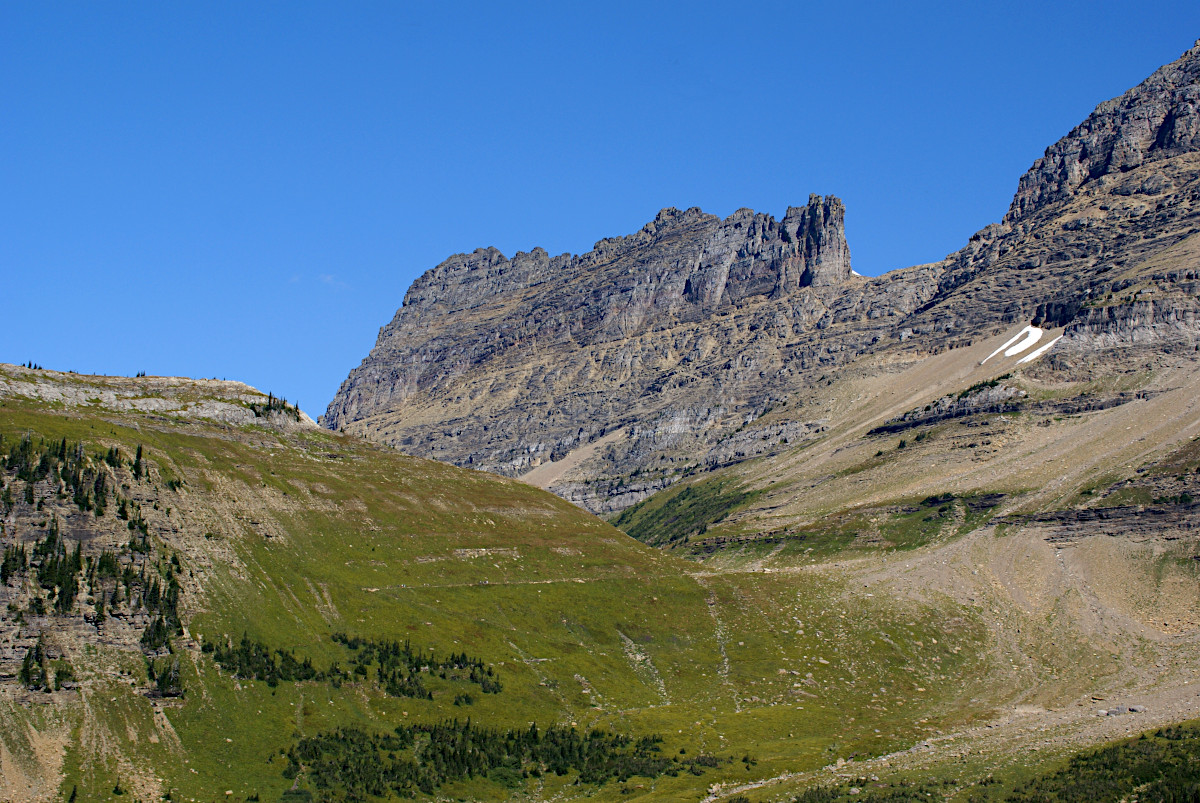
(682, 267)
(503, 364)
(652, 355)
(1157, 119)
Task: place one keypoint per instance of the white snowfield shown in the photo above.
(1021, 341)
(1039, 352)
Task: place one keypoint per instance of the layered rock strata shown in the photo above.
(680, 336)
(674, 334)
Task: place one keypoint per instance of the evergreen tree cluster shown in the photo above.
(350, 764)
(397, 666)
(15, 563)
(58, 571)
(253, 660)
(393, 665)
(70, 470)
(107, 565)
(1160, 768)
(113, 582)
(275, 404)
(165, 676)
(34, 673)
(131, 513)
(67, 471)
(139, 539)
(162, 601)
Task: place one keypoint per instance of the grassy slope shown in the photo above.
(914, 514)
(291, 537)
(847, 489)
(683, 511)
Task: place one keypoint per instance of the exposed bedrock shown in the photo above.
(679, 337)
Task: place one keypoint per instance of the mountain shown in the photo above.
(608, 376)
(506, 365)
(926, 535)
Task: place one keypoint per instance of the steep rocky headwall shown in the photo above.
(670, 342)
(677, 335)
(682, 267)
(1157, 119)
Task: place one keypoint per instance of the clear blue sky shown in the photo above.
(246, 190)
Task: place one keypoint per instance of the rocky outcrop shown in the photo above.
(991, 398)
(682, 267)
(215, 400)
(1003, 399)
(1161, 521)
(1157, 119)
(1138, 323)
(681, 335)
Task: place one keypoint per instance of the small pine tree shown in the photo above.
(33, 674)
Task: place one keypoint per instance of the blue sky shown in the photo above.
(246, 190)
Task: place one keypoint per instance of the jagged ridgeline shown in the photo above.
(508, 364)
(194, 604)
(610, 375)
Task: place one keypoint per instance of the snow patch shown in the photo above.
(1039, 352)
(1026, 337)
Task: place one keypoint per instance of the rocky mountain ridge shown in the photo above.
(681, 267)
(1157, 119)
(680, 336)
(213, 400)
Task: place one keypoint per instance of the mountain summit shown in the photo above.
(504, 364)
(1156, 120)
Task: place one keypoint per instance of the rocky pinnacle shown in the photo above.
(682, 267)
